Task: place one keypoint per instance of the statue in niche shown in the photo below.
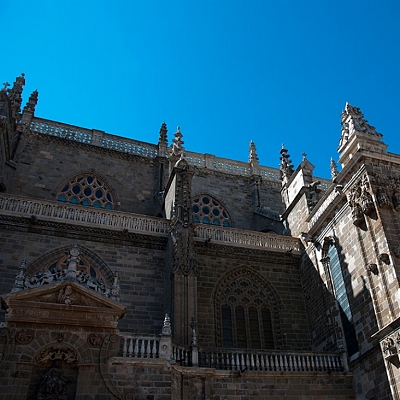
(52, 385)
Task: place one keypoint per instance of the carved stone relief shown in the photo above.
(52, 385)
(95, 340)
(51, 354)
(24, 336)
(361, 202)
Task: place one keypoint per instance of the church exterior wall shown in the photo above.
(141, 271)
(215, 263)
(141, 267)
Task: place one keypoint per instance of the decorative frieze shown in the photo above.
(50, 354)
(238, 237)
(56, 211)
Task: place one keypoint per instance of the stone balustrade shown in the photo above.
(119, 143)
(140, 346)
(228, 166)
(134, 346)
(80, 215)
(239, 237)
(64, 131)
(93, 137)
(19, 206)
(255, 360)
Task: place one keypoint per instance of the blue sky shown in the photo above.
(226, 72)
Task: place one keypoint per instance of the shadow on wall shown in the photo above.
(340, 319)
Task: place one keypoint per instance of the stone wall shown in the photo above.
(281, 272)
(235, 193)
(163, 382)
(141, 265)
(45, 163)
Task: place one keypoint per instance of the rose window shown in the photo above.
(207, 210)
(86, 190)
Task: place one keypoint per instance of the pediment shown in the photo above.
(66, 303)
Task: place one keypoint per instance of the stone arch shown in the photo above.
(64, 352)
(258, 294)
(45, 340)
(56, 254)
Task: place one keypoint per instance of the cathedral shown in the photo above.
(140, 271)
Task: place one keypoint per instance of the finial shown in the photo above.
(177, 147)
(285, 166)
(253, 157)
(32, 102)
(166, 329)
(352, 120)
(6, 85)
(163, 132)
(304, 156)
(334, 170)
(163, 141)
(15, 96)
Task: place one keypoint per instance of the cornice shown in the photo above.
(47, 228)
(223, 250)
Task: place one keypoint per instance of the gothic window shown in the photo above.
(244, 313)
(86, 190)
(207, 210)
(340, 293)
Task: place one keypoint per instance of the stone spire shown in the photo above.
(253, 157)
(334, 170)
(285, 166)
(353, 122)
(163, 140)
(29, 109)
(357, 135)
(177, 147)
(32, 102)
(16, 95)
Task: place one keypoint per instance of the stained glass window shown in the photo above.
(87, 190)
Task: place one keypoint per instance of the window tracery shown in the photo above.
(245, 313)
(207, 210)
(332, 264)
(86, 190)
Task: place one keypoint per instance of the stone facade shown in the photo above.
(132, 270)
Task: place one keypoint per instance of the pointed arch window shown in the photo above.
(340, 292)
(207, 210)
(86, 190)
(245, 315)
